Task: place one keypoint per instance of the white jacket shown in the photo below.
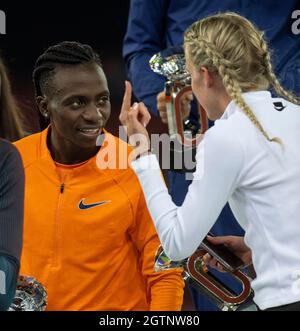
(261, 181)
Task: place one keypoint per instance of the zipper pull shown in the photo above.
(62, 188)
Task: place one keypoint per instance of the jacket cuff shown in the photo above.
(145, 162)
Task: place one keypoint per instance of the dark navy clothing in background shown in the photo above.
(157, 25)
(11, 220)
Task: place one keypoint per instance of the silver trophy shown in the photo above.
(30, 295)
(177, 85)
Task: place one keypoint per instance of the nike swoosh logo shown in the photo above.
(83, 206)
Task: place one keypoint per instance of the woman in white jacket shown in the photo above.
(251, 157)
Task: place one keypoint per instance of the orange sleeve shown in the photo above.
(165, 288)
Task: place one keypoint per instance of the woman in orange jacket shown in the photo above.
(88, 236)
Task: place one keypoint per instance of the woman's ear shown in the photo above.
(208, 78)
(42, 103)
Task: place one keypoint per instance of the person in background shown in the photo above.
(11, 194)
(158, 25)
(11, 127)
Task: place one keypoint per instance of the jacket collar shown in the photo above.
(45, 154)
(250, 98)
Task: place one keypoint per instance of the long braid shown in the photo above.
(232, 87)
(231, 46)
(272, 77)
(235, 93)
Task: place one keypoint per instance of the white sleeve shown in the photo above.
(181, 229)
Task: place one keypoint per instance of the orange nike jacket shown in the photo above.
(88, 236)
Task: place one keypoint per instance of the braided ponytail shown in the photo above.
(272, 77)
(231, 46)
(233, 89)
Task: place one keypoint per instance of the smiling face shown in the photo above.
(78, 106)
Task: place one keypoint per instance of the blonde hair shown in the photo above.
(231, 46)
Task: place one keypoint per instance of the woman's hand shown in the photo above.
(235, 244)
(185, 106)
(135, 118)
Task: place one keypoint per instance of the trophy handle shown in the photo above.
(179, 121)
(197, 274)
(171, 115)
(212, 286)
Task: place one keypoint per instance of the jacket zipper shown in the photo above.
(62, 188)
(57, 232)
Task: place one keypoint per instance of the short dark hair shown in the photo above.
(64, 53)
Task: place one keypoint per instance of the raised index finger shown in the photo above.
(127, 96)
(126, 103)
